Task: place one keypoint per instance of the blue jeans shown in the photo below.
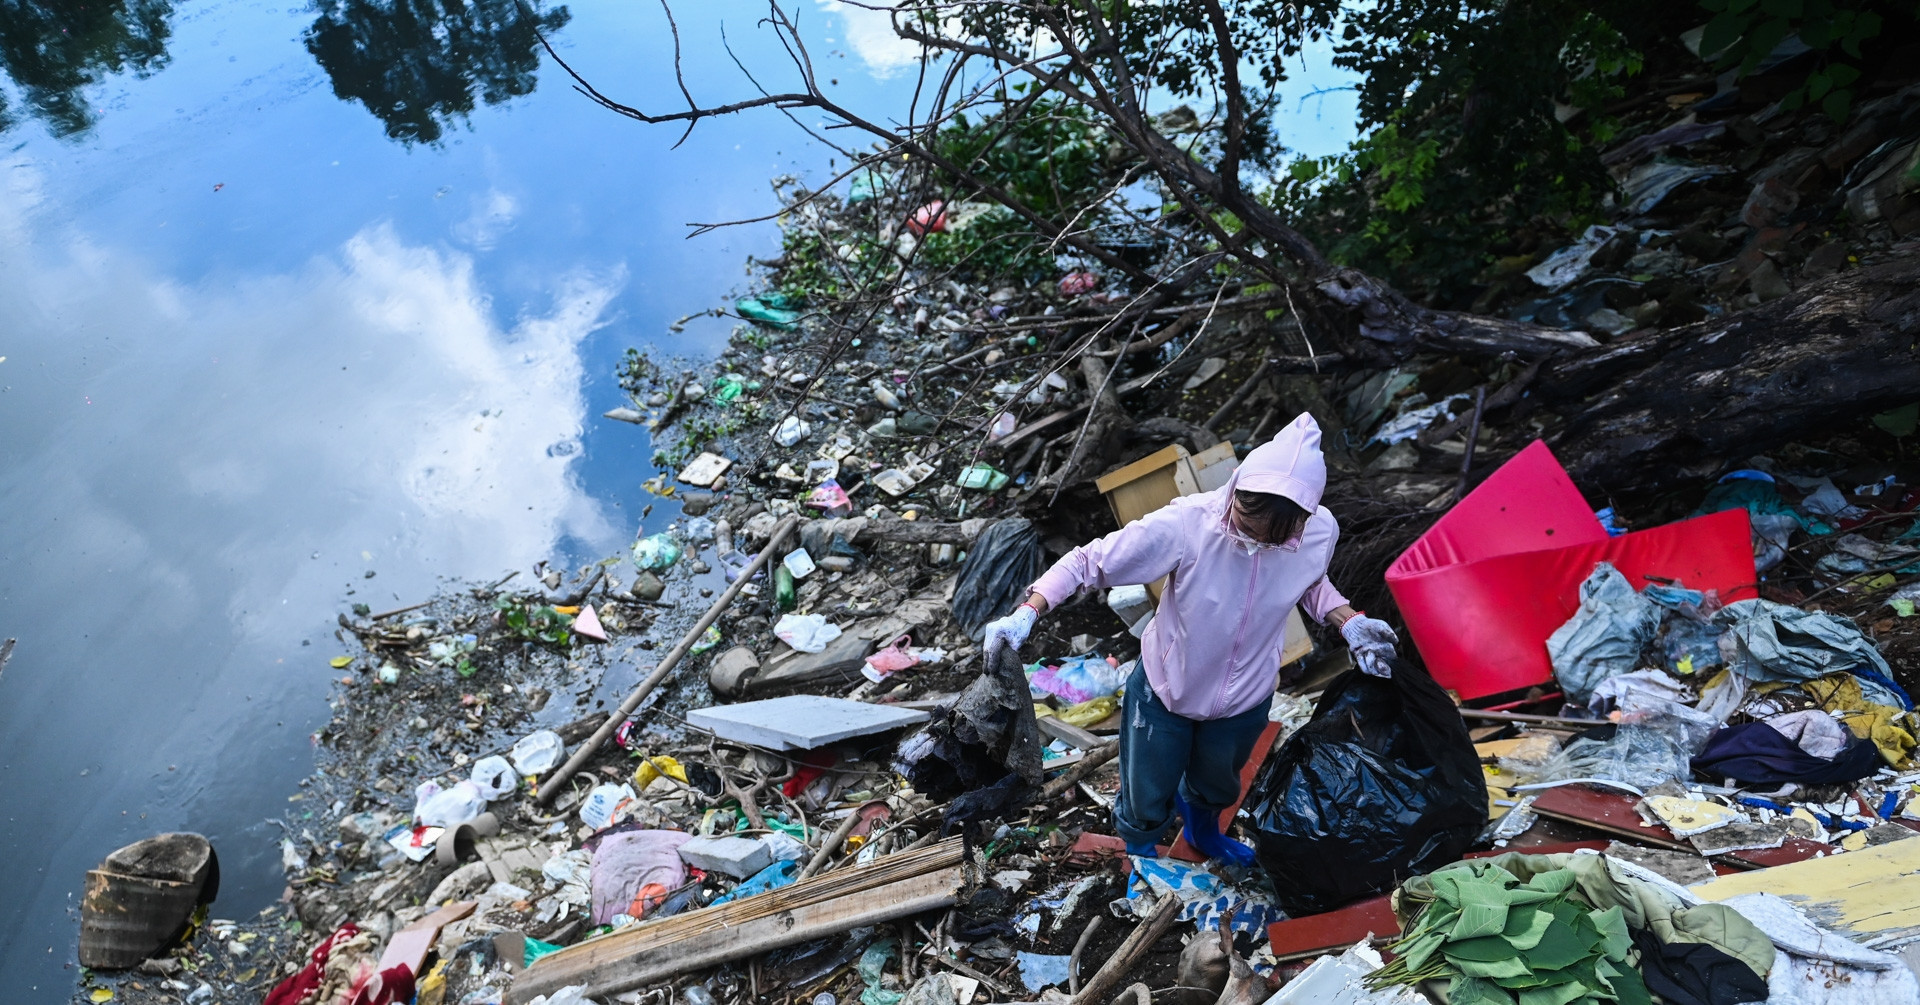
(1162, 753)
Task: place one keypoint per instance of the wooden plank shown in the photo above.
(1298, 938)
(1606, 811)
(1613, 812)
(1053, 727)
(836, 902)
(1871, 894)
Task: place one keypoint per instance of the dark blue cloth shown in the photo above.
(1758, 754)
(1162, 753)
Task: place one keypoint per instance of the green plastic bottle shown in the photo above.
(783, 594)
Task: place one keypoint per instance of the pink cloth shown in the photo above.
(1213, 649)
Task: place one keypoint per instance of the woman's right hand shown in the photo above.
(1012, 630)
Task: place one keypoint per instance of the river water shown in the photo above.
(303, 306)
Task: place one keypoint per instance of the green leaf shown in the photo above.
(1900, 422)
(1612, 924)
(1525, 925)
(1484, 949)
(1781, 8)
(1474, 991)
(1838, 104)
(1514, 967)
(1478, 917)
(1419, 950)
(1630, 989)
(1560, 946)
(1793, 99)
(1842, 74)
(1554, 994)
(1818, 84)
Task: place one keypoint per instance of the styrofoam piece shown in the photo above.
(1336, 980)
(801, 721)
(736, 856)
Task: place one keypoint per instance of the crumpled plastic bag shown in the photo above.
(809, 633)
(656, 552)
(1080, 679)
(537, 752)
(1604, 638)
(455, 804)
(494, 777)
(1766, 641)
(1002, 563)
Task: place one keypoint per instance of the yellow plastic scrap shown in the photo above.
(432, 989)
(654, 767)
(100, 995)
(1041, 710)
(340, 662)
(1089, 712)
(1890, 729)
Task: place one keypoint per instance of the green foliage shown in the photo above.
(1463, 143)
(534, 622)
(1744, 32)
(1051, 155)
(994, 244)
(816, 271)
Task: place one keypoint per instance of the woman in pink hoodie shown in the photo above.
(1237, 559)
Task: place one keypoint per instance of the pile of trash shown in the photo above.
(1631, 779)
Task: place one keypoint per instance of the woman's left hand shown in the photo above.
(1372, 642)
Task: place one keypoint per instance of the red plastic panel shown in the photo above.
(1481, 623)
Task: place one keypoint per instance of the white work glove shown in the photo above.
(1372, 642)
(1010, 631)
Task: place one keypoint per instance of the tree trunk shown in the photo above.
(1689, 402)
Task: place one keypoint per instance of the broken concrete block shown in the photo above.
(735, 856)
(801, 721)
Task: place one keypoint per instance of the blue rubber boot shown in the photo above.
(1203, 833)
(1147, 850)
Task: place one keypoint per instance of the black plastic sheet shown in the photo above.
(1381, 784)
(1002, 563)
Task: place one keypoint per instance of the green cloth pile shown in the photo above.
(1548, 930)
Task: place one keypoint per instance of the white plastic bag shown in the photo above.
(450, 806)
(538, 752)
(494, 777)
(604, 803)
(808, 633)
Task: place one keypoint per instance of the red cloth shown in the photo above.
(392, 986)
(1482, 589)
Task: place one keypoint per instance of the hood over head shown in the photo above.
(1289, 465)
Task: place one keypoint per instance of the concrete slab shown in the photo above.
(801, 721)
(735, 856)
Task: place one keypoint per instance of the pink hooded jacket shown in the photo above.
(1213, 649)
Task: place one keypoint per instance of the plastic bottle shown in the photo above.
(783, 590)
(696, 995)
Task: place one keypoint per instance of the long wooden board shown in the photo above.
(895, 886)
(1865, 895)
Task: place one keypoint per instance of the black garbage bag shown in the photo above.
(981, 752)
(1002, 563)
(1383, 783)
